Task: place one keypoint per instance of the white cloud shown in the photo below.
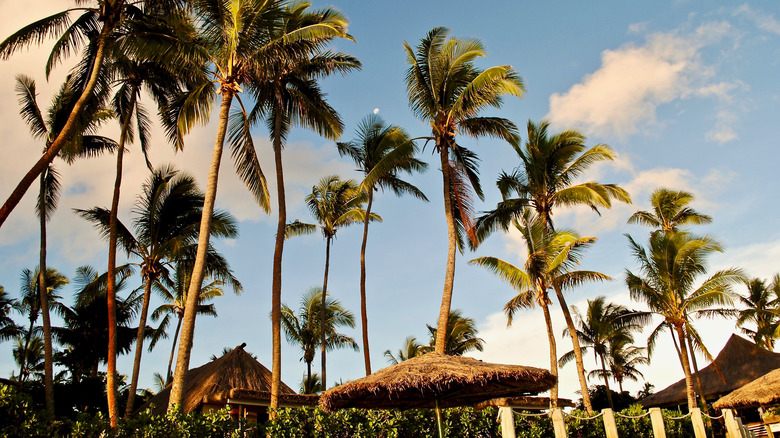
(764, 21)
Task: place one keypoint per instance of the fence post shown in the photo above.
(609, 423)
(507, 422)
(732, 427)
(558, 425)
(657, 420)
(698, 423)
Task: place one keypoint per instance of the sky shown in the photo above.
(684, 91)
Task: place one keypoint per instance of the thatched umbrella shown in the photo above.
(760, 392)
(436, 380)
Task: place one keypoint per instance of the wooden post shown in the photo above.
(657, 420)
(732, 427)
(507, 422)
(699, 431)
(558, 424)
(609, 423)
(746, 433)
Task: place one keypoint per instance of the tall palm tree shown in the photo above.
(334, 204)
(446, 89)
(546, 178)
(381, 153)
(761, 309)
(552, 256)
(241, 40)
(305, 327)
(604, 325)
(167, 218)
(97, 25)
(670, 211)
(461, 336)
(668, 272)
(410, 349)
(84, 143)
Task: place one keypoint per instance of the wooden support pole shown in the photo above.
(559, 427)
(610, 427)
(507, 422)
(732, 427)
(657, 420)
(699, 431)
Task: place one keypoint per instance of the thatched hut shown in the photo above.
(762, 392)
(524, 403)
(236, 379)
(739, 362)
(424, 381)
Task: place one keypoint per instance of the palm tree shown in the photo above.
(29, 355)
(97, 25)
(8, 328)
(334, 204)
(311, 384)
(604, 325)
(668, 271)
(446, 89)
(761, 309)
(410, 349)
(670, 211)
(546, 178)
(305, 327)
(461, 336)
(240, 40)
(623, 361)
(552, 255)
(381, 152)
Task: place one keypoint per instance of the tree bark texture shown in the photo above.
(449, 276)
(363, 304)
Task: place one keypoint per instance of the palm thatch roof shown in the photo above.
(452, 380)
(214, 381)
(763, 391)
(740, 361)
(526, 403)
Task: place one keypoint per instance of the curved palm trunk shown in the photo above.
(686, 368)
(606, 381)
(196, 280)
(363, 309)
(449, 276)
(48, 373)
(577, 351)
(23, 360)
(322, 311)
(139, 347)
(66, 132)
(276, 283)
(696, 375)
(553, 356)
(168, 376)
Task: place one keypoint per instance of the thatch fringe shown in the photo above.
(763, 391)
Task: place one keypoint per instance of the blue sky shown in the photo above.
(684, 91)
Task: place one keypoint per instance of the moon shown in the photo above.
(376, 110)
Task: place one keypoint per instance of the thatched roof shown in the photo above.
(454, 381)
(263, 398)
(527, 403)
(740, 361)
(761, 392)
(215, 380)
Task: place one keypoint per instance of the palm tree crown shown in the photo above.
(670, 211)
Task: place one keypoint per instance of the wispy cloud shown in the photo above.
(764, 21)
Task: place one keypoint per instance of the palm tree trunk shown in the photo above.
(686, 368)
(553, 355)
(196, 280)
(48, 373)
(276, 283)
(67, 131)
(111, 374)
(168, 376)
(363, 309)
(322, 312)
(23, 359)
(449, 276)
(606, 381)
(696, 375)
(139, 347)
(308, 371)
(577, 351)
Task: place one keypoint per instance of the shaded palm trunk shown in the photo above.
(577, 351)
(196, 280)
(449, 276)
(111, 373)
(67, 131)
(363, 309)
(606, 381)
(686, 367)
(27, 337)
(48, 373)
(553, 355)
(168, 376)
(139, 346)
(322, 312)
(276, 284)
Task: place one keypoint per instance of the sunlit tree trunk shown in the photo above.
(577, 351)
(196, 280)
(139, 346)
(276, 284)
(686, 367)
(363, 306)
(449, 277)
(322, 313)
(553, 355)
(606, 381)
